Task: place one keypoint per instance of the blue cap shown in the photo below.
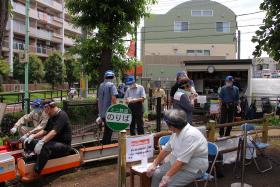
(130, 80)
(109, 73)
(229, 78)
(36, 103)
(181, 73)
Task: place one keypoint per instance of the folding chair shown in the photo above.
(257, 145)
(213, 152)
(162, 141)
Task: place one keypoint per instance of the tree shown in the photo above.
(72, 68)
(4, 15)
(4, 68)
(35, 71)
(113, 19)
(54, 69)
(268, 35)
(4, 71)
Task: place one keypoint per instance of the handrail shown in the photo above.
(233, 124)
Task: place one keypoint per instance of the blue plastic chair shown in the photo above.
(163, 140)
(257, 145)
(213, 151)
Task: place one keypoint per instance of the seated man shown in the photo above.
(38, 118)
(188, 154)
(52, 142)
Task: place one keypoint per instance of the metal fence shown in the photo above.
(82, 115)
(15, 101)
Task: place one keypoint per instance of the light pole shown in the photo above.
(26, 94)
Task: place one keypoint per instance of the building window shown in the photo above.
(222, 26)
(181, 26)
(204, 13)
(261, 67)
(198, 52)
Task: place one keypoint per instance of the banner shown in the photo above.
(131, 50)
(138, 147)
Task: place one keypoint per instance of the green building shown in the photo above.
(193, 30)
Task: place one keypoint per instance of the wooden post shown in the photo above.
(61, 95)
(212, 131)
(122, 159)
(265, 128)
(158, 110)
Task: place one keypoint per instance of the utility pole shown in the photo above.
(238, 45)
(26, 94)
(135, 65)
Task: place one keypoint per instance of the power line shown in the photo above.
(160, 26)
(198, 36)
(142, 32)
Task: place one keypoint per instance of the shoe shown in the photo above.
(29, 158)
(30, 177)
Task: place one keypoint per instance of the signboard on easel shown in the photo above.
(138, 147)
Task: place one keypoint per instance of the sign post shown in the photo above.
(118, 118)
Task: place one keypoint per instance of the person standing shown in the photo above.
(134, 97)
(52, 142)
(183, 99)
(107, 96)
(38, 118)
(160, 93)
(181, 76)
(229, 97)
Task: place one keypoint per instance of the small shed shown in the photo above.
(209, 75)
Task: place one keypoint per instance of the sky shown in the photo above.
(239, 7)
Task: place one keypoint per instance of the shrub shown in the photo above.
(9, 120)
(274, 121)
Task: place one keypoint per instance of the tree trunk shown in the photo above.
(106, 62)
(4, 15)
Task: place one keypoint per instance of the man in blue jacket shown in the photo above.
(229, 96)
(107, 96)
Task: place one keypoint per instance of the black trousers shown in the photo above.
(49, 150)
(227, 116)
(137, 118)
(107, 134)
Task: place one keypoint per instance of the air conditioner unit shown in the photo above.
(48, 43)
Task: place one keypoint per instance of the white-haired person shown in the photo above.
(188, 152)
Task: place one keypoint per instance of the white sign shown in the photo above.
(201, 99)
(138, 147)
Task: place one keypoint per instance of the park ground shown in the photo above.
(104, 174)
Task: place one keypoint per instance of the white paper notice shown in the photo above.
(139, 147)
(141, 168)
(201, 99)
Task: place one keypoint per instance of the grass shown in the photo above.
(15, 97)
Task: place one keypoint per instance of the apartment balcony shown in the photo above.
(20, 9)
(42, 51)
(5, 46)
(18, 46)
(51, 4)
(57, 22)
(68, 41)
(68, 26)
(57, 38)
(19, 27)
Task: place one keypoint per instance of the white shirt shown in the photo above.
(189, 147)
